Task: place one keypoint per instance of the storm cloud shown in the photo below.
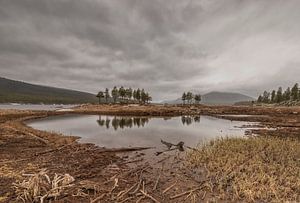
(164, 46)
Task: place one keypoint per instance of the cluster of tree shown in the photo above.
(126, 95)
(189, 98)
(122, 122)
(280, 96)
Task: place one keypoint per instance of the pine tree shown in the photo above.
(115, 94)
(279, 97)
(129, 93)
(287, 94)
(295, 92)
(148, 98)
(259, 99)
(273, 96)
(122, 92)
(197, 98)
(143, 96)
(189, 97)
(100, 95)
(183, 98)
(134, 94)
(106, 94)
(266, 97)
(138, 94)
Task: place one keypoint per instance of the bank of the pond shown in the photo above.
(100, 175)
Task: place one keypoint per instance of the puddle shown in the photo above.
(127, 131)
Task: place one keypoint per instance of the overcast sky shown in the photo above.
(164, 46)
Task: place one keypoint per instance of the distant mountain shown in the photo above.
(224, 98)
(12, 91)
(227, 98)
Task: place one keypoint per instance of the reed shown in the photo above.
(39, 187)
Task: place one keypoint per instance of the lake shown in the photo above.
(127, 131)
(45, 107)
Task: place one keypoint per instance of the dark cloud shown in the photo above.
(164, 46)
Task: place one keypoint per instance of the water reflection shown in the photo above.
(188, 120)
(107, 131)
(122, 122)
(129, 122)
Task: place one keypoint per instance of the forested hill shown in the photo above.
(12, 91)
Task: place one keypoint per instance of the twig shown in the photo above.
(115, 185)
(143, 185)
(149, 196)
(98, 198)
(140, 199)
(126, 191)
(111, 179)
(186, 192)
(156, 183)
(127, 199)
(203, 196)
(138, 187)
(168, 188)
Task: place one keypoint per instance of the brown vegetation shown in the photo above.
(242, 170)
(263, 169)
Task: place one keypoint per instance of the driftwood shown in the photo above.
(179, 146)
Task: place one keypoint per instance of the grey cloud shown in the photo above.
(164, 46)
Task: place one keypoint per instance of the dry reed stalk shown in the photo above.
(40, 187)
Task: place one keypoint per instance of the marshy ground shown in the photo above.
(261, 168)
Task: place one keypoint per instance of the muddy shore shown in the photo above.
(102, 176)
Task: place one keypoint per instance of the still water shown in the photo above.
(125, 131)
(47, 107)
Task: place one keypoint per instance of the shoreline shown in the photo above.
(29, 151)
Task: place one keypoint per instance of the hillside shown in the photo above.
(228, 98)
(224, 98)
(12, 91)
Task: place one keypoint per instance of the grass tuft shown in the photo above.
(252, 169)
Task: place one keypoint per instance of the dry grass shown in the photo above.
(9, 172)
(253, 169)
(39, 187)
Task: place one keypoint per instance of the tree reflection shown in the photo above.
(119, 122)
(188, 120)
(122, 122)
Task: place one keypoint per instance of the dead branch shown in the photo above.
(127, 191)
(168, 188)
(98, 198)
(157, 180)
(149, 196)
(127, 199)
(138, 187)
(185, 193)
